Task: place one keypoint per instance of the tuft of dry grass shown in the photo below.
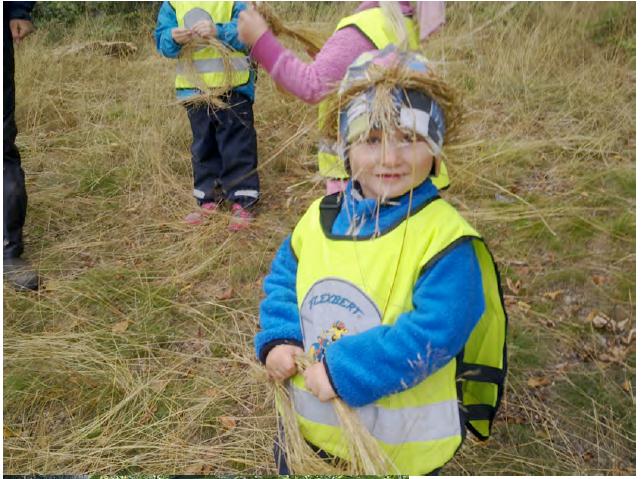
(309, 37)
(214, 97)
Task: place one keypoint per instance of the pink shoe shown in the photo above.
(335, 185)
(240, 218)
(196, 217)
(209, 208)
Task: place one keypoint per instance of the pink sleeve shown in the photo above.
(310, 81)
(430, 17)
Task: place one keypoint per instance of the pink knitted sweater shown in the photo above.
(312, 81)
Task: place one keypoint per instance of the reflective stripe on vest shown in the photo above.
(216, 65)
(205, 67)
(338, 278)
(392, 426)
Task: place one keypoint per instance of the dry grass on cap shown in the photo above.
(383, 80)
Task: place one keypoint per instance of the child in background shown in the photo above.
(224, 150)
(367, 29)
(392, 292)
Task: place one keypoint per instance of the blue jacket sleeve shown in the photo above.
(228, 32)
(167, 21)
(279, 321)
(448, 302)
(20, 10)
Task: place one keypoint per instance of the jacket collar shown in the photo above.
(365, 216)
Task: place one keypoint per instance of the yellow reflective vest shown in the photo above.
(419, 428)
(206, 64)
(373, 24)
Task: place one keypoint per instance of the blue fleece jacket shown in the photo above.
(448, 302)
(227, 33)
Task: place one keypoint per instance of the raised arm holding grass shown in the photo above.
(372, 26)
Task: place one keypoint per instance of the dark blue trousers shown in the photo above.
(14, 208)
(224, 153)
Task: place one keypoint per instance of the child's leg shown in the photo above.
(205, 154)
(236, 138)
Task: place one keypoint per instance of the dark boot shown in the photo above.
(20, 274)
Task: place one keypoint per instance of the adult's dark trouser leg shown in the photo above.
(14, 196)
(238, 147)
(205, 155)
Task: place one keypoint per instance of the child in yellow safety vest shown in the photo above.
(224, 150)
(367, 29)
(391, 291)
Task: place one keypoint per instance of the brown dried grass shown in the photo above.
(308, 37)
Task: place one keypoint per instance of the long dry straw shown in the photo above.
(367, 458)
(212, 96)
(309, 38)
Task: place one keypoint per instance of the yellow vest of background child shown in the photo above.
(207, 62)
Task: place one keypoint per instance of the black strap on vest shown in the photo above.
(330, 206)
(481, 373)
(477, 412)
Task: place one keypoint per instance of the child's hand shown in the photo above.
(280, 362)
(20, 28)
(251, 26)
(181, 35)
(204, 29)
(317, 382)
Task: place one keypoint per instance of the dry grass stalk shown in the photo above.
(301, 459)
(308, 37)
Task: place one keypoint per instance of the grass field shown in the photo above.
(134, 357)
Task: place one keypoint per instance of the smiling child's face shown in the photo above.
(390, 166)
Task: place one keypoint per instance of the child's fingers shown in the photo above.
(280, 375)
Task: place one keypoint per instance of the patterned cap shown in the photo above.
(414, 110)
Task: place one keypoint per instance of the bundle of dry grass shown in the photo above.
(366, 455)
(308, 37)
(213, 97)
(384, 79)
